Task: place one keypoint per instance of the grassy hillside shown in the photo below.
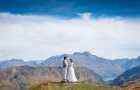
(132, 85)
(72, 86)
(128, 76)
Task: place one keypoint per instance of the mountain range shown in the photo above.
(99, 65)
(103, 67)
(18, 62)
(20, 77)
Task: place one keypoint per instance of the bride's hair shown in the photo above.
(71, 60)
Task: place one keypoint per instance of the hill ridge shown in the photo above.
(19, 78)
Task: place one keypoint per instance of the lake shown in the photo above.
(109, 78)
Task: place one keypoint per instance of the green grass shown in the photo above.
(71, 86)
(92, 87)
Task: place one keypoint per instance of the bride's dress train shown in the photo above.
(71, 74)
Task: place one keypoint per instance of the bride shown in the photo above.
(71, 74)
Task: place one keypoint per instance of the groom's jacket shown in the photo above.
(65, 63)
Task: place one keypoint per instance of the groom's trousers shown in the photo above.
(64, 73)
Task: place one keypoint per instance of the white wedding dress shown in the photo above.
(71, 74)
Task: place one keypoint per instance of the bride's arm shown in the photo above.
(69, 65)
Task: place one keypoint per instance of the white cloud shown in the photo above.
(39, 37)
(1, 54)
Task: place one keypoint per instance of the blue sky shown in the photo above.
(67, 8)
(39, 29)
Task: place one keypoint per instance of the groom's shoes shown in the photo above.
(63, 81)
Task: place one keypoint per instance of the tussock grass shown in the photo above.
(71, 86)
(42, 86)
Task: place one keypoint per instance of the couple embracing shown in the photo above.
(70, 75)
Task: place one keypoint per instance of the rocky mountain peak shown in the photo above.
(84, 53)
(87, 53)
(77, 53)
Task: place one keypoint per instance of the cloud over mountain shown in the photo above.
(39, 37)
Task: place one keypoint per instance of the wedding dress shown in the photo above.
(71, 74)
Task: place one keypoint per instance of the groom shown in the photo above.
(65, 65)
